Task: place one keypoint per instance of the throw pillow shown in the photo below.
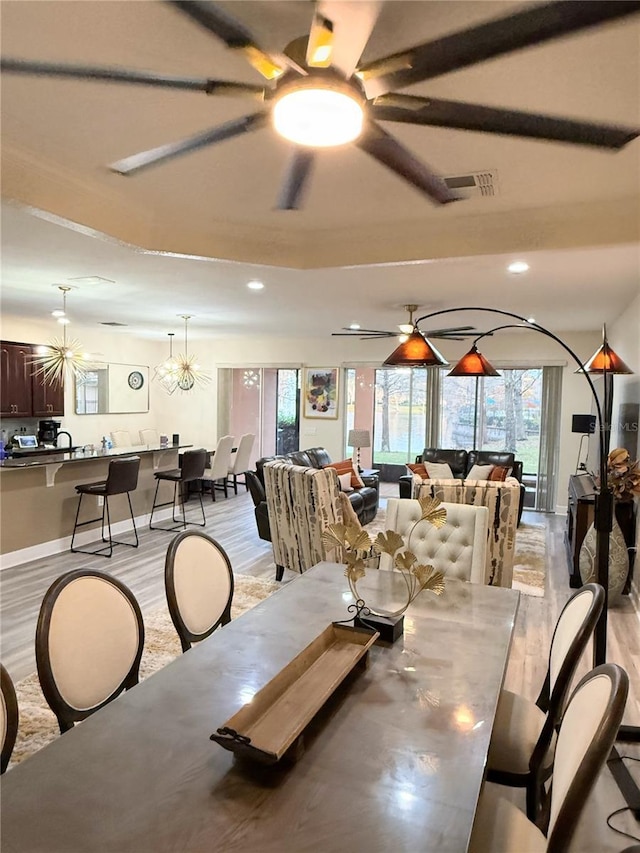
(439, 471)
(346, 467)
(479, 472)
(345, 482)
(419, 469)
(349, 515)
(499, 473)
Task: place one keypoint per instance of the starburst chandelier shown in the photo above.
(61, 357)
(181, 372)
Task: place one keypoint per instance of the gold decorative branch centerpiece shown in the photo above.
(359, 552)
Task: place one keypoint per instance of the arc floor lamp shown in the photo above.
(418, 351)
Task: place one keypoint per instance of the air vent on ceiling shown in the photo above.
(475, 184)
(113, 323)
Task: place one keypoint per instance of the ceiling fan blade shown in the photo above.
(455, 330)
(123, 75)
(298, 173)
(521, 29)
(235, 36)
(457, 114)
(137, 162)
(340, 32)
(392, 154)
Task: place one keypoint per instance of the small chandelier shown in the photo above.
(188, 372)
(60, 357)
(166, 373)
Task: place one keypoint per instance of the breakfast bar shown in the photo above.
(38, 498)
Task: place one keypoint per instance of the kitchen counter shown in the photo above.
(42, 457)
(38, 504)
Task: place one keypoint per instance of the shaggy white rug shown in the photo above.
(38, 725)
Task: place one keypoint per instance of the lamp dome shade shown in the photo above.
(416, 351)
(473, 364)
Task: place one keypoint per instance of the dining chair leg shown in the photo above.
(235, 483)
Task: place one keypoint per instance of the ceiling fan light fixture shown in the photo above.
(318, 113)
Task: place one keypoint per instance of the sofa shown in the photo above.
(364, 501)
(461, 462)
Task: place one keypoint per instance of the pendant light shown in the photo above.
(60, 358)
(166, 372)
(473, 364)
(188, 371)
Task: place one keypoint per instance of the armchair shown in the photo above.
(458, 549)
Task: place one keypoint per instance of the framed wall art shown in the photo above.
(320, 392)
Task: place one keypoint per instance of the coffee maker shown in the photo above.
(48, 432)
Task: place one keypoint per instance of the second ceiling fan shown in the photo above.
(318, 95)
(454, 333)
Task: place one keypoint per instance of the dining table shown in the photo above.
(395, 760)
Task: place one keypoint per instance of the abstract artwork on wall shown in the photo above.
(320, 392)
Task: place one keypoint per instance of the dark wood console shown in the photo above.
(580, 512)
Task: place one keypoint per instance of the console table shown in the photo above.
(580, 514)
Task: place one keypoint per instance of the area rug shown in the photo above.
(38, 725)
(530, 559)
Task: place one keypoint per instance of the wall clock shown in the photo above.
(135, 380)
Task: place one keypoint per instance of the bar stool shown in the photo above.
(193, 465)
(122, 478)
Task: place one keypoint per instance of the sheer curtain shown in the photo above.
(549, 438)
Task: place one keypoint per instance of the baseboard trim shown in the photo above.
(58, 546)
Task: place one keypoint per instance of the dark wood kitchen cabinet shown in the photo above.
(48, 400)
(16, 394)
(22, 394)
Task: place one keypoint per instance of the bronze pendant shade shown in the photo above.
(605, 360)
(473, 364)
(416, 351)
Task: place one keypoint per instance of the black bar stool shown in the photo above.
(122, 478)
(193, 465)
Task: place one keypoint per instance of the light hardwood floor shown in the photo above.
(232, 523)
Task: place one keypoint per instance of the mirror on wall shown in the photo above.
(109, 389)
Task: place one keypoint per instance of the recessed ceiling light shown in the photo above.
(255, 285)
(354, 326)
(518, 267)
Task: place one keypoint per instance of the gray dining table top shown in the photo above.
(394, 762)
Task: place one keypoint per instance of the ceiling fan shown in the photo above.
(455, 333)
(319, 96)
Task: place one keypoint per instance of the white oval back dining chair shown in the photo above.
(522, 741)
(199, 585)
(587, 734)
(8, 717)
(89, 640)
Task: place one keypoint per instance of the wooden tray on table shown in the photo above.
(267, 727)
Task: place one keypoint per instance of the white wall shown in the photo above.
(194, 414)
